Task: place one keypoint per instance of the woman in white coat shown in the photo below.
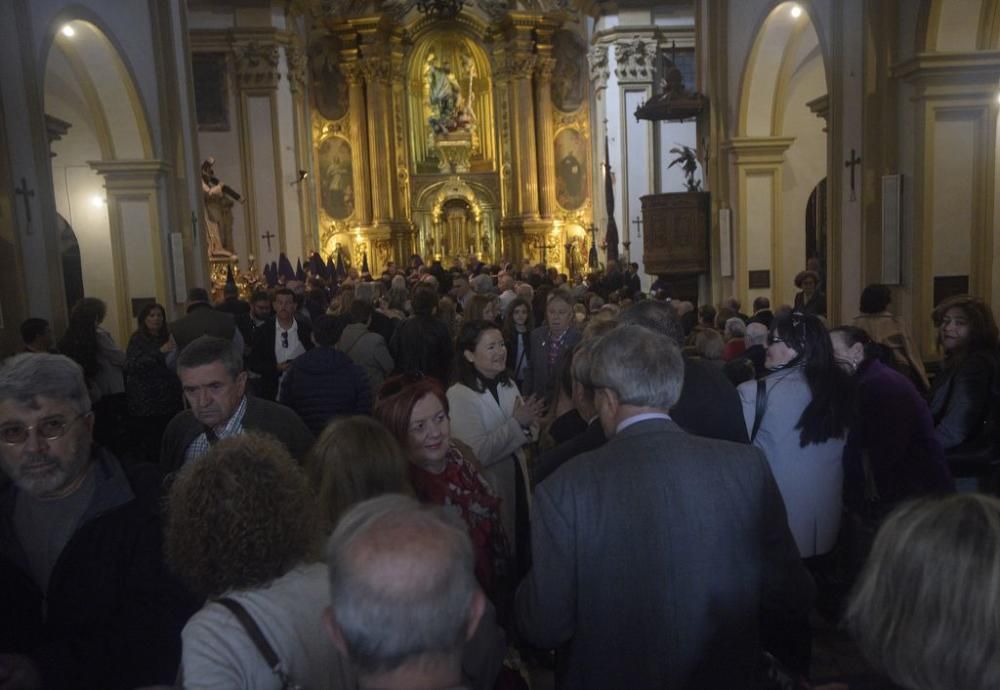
(801, 425)
(489, 415)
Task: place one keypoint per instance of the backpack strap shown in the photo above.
(258, 639)
(761, 407)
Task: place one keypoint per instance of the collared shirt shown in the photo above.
(287, 345)
(231, 427)
(645, 416)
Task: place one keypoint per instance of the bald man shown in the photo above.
(404, 597)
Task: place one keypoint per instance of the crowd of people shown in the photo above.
(445, 478)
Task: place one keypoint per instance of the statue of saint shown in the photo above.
(219, 199)
(448, 109)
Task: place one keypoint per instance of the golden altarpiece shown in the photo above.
(452, 139)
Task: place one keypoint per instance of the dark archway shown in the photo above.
(72, 267)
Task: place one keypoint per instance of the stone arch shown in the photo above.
(767, 67)
(780, 148)
(958, 28)
(104, 143)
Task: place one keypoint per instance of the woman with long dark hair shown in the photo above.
(517, 327)
(963, 394)
(798, 415)
(152, 389)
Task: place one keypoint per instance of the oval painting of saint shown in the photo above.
(336, 178)
(571, 169)
(329, 86)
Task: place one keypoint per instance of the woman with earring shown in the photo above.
(489, 415)
(891, 454)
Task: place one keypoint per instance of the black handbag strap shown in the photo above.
(758, 415)
(259, 641)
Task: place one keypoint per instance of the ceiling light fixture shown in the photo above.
(68, 31)
(796, 11)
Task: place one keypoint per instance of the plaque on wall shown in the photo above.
(759, 280)
(676, 227)
(949, 286)
(211, 92)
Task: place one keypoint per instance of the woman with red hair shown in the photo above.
(415, 410)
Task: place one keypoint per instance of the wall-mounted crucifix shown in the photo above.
(25, 194)
(638, 226)
(267, 237)
(851, 163)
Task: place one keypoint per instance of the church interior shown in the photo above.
(725, 148)
(856, 137)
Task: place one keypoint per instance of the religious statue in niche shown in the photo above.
(450, 109)
(336, 178)
(571, 171)
(219, 199)
(330, 88)
(569, 86)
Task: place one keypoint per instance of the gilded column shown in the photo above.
(600, 71)
(523, 124)
(359, 141)
(376, 71)
(546, 140)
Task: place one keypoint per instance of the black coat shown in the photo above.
(112, 613)
(151, 387)
(200, 320)
(423, 343)
(554, 458)
(709, 404)
(325, 383)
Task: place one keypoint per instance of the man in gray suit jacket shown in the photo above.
(657, 556)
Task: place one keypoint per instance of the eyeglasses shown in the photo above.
(284, 338)
(49, 429)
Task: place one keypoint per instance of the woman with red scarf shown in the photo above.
(416, 413)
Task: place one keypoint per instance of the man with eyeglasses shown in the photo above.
(277, 343)
(214, 385)
(85, 600)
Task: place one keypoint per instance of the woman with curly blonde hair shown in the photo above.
(242, 527)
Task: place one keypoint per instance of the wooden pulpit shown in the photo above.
(676, 242)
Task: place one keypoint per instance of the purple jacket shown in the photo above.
(895, 429)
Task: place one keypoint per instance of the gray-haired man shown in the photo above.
(657, 555)
(85, 600)
(214, 384)
(404, 595)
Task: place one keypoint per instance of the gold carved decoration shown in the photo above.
(257, 65)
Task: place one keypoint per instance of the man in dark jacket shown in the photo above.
(201, 319)
(214, 384)
(85, 599)
(422, 342)
(277, 343)
(325, 383)
(657, 556)
(709, 404)
(239, 308)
